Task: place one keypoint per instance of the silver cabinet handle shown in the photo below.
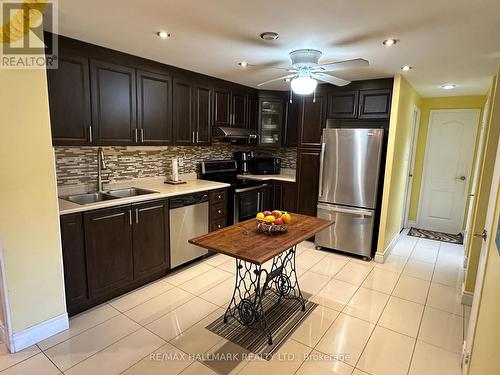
(135, 135)
(219, 196)
(91, 136)
(130, 216)
(193, 137)
(345, 210)
(219, 226)
(321, 161)
(142, 135)
(197, 137)
(219, 211)
(136, 216)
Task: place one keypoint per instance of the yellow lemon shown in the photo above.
(260, 216)
(286, 218)
(270, 218)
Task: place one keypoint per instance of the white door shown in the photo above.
(413, 135)
(450, 148)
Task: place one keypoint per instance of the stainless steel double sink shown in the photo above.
(95, 197)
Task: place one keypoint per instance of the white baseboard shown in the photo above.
(467, 297)
(381, 257)
(29, 336)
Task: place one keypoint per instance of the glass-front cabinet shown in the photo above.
(270, 121)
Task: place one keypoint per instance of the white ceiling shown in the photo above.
(444, 40)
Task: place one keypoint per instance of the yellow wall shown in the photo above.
(29, 218)
(398, 146)
(483, 190)
(485, 353)
(428, 104)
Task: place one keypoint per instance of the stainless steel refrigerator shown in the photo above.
(348, 184)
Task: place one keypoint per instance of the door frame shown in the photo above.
(483, 260)
(432, 112)
(411, 163)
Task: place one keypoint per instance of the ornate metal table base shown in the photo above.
(253, 282)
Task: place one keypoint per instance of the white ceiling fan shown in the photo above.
(306, 72)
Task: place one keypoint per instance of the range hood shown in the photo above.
(229, 133)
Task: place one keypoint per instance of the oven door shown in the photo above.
(248, 202)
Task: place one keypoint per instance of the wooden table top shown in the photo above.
(243, 241)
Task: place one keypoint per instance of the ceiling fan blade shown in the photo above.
(277, 79)
(330, 79)
(346, 64)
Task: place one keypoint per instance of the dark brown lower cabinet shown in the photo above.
(285, 196)
(74, 260)
(308, 161)
(111, 251)
(108, 243)
(150, 238)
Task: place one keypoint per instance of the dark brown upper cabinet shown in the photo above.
(313, 119)
(150, 238)
(183, 112)
(203, 97)
(240, 110)
(69, 98)
(343, 104)
(375, 104)
(108, 244)
(293, 120)
(270, 120)
(154, 108)
(222, 107)
(113, 89)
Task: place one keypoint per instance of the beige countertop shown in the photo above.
(164, 191)
(267, 177)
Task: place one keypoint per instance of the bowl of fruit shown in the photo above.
(273, 222)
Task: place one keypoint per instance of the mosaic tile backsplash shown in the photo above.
(78, 165)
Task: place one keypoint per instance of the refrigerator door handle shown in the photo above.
(345, 210)
(321, 162)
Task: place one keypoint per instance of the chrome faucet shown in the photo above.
(101, 165)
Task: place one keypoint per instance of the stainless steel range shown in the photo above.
(246, 197)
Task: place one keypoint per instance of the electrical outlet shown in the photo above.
(181, 162)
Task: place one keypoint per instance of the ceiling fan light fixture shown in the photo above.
(304, 85)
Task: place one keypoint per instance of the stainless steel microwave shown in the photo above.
(265, 165)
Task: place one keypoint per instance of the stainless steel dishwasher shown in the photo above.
(188, 219)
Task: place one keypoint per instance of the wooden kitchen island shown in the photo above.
(263, 263)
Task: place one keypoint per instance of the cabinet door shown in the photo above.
(183, 113)
(289, 196)
(270, 121)
(222, 107)
(75, 269)
(69, 98)
(253, 113)
(343, 104)
(313, 120)
(292, 121)
(277, 195)
(307, 181)
(113, 89)
(108, 244)
(203, 114)
(150, 238)
(154, 108)
(375, 103)
(240, 110)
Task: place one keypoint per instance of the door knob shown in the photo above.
(461, 178)
(483, 235)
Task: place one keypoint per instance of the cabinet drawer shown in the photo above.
(217, 224)
(218, 211)
(217, 196)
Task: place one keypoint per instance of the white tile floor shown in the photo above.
(400, 317)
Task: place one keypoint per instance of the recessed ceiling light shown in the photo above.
(243, 64)
(448, 86)
(406, 68)
(390, 42)
(163, 34)
(269, 35)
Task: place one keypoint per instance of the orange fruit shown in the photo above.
(286, 218)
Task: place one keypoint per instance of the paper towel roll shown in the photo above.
(175, 170)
